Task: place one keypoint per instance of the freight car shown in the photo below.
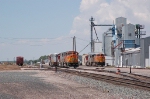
(95, 59)
(19, 60)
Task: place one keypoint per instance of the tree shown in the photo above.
(43, 57)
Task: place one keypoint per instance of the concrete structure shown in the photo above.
(109, 60)
(144, 43)
(128, 32)
(107, 45)
(122, 36)
(128, 36)
(137, 57)
(98, 47)
(130, 57)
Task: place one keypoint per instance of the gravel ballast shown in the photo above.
(41, 84)
(116, 90)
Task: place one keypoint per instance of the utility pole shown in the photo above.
(92, 47)
(14, 60)
(74, 43)
(130, 61)
(41, 64)
(112, 53)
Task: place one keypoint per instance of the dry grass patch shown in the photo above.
(9, 67)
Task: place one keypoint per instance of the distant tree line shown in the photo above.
(36, 60)
(27, 61)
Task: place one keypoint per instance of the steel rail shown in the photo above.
(110, 79)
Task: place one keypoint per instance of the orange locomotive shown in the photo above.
(64, 59)
(69, 58)
(95, 58)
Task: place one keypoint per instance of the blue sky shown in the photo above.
(32, 28)
(37, 18)
(33, 20)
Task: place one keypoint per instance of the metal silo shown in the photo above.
(107, 43)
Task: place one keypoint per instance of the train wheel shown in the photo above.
(50, 64)
(65, 64)
(75, 67)
(86, 64)
(96, 64)
(68, 64)
(91, 63)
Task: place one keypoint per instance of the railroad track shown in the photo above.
(123, 74)
(135, 83)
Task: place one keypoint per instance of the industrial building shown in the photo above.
(123, 42)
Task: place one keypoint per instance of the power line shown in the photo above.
(85, 47)
(23, 38)
(37, 42)
(82, 39)
(30, 38)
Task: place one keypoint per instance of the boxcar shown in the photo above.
(19, 60)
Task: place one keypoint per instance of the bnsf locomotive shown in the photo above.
(95, 59)
(64, 59)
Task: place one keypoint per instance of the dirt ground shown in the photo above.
(45, 85)
(9, 67)
(19, 83)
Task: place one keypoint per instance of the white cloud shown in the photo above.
(39, 41)
(60, 38)
(23, 41)
(87, 4)
(104, 5)
(136, 11)
(44, 40)
(2, 44)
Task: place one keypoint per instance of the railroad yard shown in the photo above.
(84, 82)
(79, 49)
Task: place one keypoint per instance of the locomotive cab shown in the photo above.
(72, 59)
(69, 59)
(95, 59)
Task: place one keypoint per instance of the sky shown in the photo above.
(32, 28)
